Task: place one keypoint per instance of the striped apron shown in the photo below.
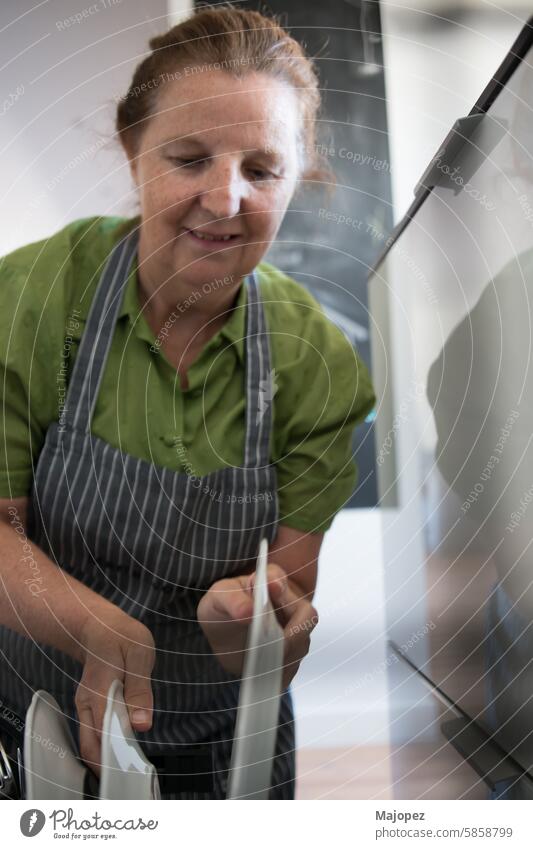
(152, 541)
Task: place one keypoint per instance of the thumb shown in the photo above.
(138, 688)
(277, 583)
(238, 605)
(276, 580)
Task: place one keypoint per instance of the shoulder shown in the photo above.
(316, 366)
(50, 261)
(41, 282)
(322, 389)
(65, 242)
(303, 335)
(294, 314)
(81, 243)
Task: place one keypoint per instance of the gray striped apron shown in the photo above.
(152, 541)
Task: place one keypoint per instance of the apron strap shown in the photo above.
(97, 336)
(260, 383)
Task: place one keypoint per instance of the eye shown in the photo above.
(185, 163)
(260, 174)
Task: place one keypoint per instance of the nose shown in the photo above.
(224, 189)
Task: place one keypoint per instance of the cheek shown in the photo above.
(270, 225)
(268, 212)
(162, 191)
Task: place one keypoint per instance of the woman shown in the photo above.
(169, 399)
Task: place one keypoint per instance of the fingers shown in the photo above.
(90, 700)
(228, 606)
(276, 579)
(297, 631)
(297, 616)
(283, 598)
(105, 661)
(137, 685)
(232, 599)
(297, 634)
(129, 657)
(89, 739)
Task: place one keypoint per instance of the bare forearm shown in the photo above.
(37, 598)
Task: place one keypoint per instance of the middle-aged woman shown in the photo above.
(168, 400)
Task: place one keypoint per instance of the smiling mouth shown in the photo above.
(211, 238)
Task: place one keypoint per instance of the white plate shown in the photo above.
(125, 773)
(52, 769)
(259, 696)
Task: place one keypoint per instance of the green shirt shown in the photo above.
(321, 386)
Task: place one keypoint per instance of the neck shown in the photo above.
(194, 312)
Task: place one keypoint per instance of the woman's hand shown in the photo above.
(225, 613)
(114, 646)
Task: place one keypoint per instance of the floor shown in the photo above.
(340, 694)
(352, 743)
(429, 771)
(361, 772)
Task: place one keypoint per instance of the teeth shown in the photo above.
(211, 238)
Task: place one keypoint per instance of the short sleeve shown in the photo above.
(28, 393)
(328, 391)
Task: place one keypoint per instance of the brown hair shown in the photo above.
(234, 40)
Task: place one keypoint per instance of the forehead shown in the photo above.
(254, 109)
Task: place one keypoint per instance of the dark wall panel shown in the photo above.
(329, 243)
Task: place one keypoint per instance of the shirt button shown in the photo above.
(170, 439)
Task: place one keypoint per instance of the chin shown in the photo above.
(195, 275)
(221, 264)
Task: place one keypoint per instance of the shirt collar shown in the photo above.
(233, 330)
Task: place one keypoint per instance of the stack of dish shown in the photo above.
(53, 769)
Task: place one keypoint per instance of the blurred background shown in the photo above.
(395, 77)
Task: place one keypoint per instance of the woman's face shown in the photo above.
(218, 158)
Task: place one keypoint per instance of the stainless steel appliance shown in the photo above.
(452, 302)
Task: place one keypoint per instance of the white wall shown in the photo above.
(60, 80)
(340, 692)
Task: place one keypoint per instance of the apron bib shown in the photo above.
(152, 541)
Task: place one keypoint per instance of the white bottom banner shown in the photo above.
(333, 824)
